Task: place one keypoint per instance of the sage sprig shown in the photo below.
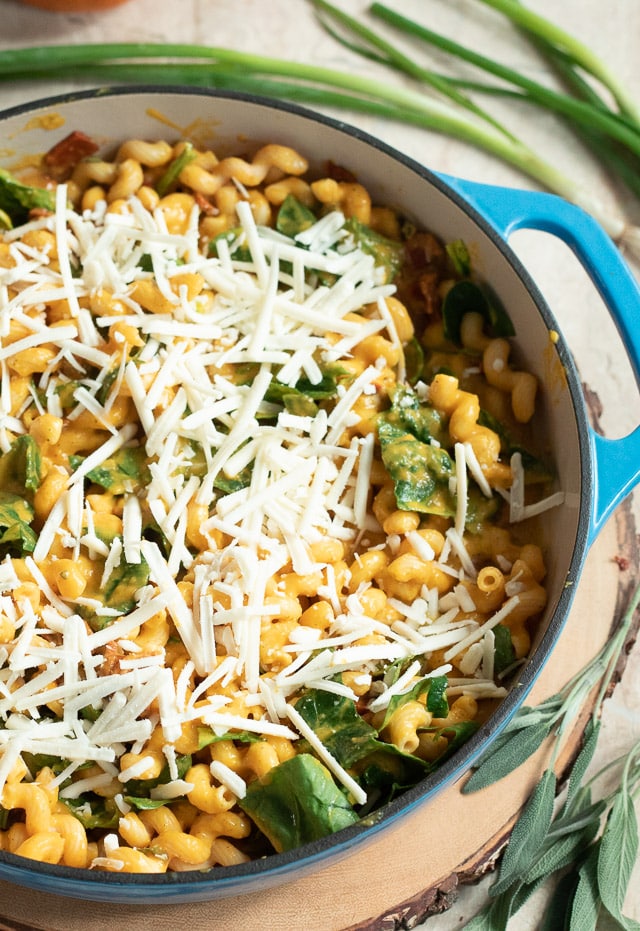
(587, 846)
(527, 731)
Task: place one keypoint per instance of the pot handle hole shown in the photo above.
(617, 461)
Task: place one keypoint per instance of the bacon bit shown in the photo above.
(622, 562)
(113, 653)
(423, 271)
(339, 173)
(66, 154)
(205, 205)
(37, 212)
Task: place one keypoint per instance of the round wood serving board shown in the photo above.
(413, 868)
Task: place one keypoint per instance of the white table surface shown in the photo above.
(287, 28)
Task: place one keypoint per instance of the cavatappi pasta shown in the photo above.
(262, 492)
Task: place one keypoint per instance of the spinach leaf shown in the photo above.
(480, 509)
(123, 583)
(504, 653)
(422, 420)
(16, 514)
(94, 811)
(126, 470)
(140, 788)
(535, 469)
(118, 593)
(297, 802)
(387, 253)
(16, 199)
(436, 691)
(235, 238)
(21, 466)
(465, 297)
(413, 360)
(146, 804)
(457, 734)
(37, 761)
(293, 217)
(356, 745)
(336, 722)
(208, 736)
(420, 472)
(292, 399)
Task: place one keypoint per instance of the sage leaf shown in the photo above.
(561, 853)
(493, 917)
(528, 834)
(586, 900)
(556, 911)
(617, 856)
(496, 765)
(583, 759)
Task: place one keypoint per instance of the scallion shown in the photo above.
(612, 131)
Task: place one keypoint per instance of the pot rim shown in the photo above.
(170, 888)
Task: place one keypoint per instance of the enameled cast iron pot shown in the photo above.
(595, 473)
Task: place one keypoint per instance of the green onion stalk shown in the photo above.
(170, 63)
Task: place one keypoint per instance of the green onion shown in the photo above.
(581, 112)
(581, 55)
(438, 103)
(215, 67)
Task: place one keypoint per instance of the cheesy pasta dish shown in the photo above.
(266, 475)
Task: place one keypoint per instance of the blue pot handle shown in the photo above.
(617, 461)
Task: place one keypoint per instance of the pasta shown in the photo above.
(263, 512)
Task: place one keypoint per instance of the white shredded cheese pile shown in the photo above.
(285, 311)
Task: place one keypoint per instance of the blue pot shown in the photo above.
(595, 473)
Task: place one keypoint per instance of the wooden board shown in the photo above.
(402, 876)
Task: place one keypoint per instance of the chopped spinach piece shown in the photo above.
(480, 509)
(422, 420)
(436, 702)
(336, 722)
(227, 485)
(457, 734)
(235, 238)
(207, 736)
(465, 297)
(37, 761)
(356, 744)
(420, 472)
(21, 466)
(293, 217)
(504, 652)
(140, 788)
(94, 811)
(413, 360)
(387, 253)
(122, 472)
(535, 469)
(16, 199)
(123, 583)
(297, 802)
(16, 534)
(146, 804)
